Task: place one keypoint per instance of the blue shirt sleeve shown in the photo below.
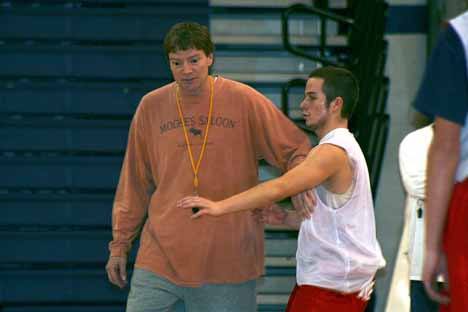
(444, 88)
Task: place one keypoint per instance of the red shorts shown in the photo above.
(307, 298)
(456, 248)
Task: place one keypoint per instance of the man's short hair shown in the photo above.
(339, 82)
(186, 36)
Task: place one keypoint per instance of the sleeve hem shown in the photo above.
(118, 251)
(295, 161)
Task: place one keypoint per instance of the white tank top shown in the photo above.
(338, 248)
(460, 24)
(334, 200)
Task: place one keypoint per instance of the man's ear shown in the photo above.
(337, 104)
(210, 59)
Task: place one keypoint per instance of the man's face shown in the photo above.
(190, 69)
(313, 107)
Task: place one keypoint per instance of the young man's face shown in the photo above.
(313, 107)
(190, 69)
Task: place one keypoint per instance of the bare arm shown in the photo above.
(304, 202)
(443, 158)
(322, 163)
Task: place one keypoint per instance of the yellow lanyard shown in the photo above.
(196, 167)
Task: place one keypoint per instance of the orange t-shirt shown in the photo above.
(157, 172)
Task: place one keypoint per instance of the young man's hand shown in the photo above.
(204, 206)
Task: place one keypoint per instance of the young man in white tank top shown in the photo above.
(338, 253)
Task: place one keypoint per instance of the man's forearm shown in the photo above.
(293, 220)
(442, 163)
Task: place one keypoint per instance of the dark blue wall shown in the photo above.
(71, 75)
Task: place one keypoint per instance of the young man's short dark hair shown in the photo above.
(339, 82)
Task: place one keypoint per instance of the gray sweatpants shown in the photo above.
(150, 293)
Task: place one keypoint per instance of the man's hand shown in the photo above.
(273, 215)
(435, 265)
(116, 268)
(304, 203)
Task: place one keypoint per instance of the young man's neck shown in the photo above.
(343, 123)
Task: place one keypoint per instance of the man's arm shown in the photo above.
(304, 202)
(276, 215)
(131, 200)
(276, 139)
(443, 158)
(282, 145)
(322, 163)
